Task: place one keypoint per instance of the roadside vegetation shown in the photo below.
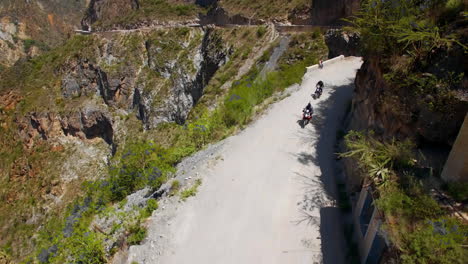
(148, 160)
(191, 191)
(408, 37)
(407, 40)
(421, 230)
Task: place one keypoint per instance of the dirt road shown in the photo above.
(268, 197)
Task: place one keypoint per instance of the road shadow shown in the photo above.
(327, 121)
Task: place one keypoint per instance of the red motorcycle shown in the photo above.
(306, 117)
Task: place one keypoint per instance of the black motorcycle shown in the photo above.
(318, 90)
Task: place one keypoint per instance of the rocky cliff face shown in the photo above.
(326, 12)
(342, 43)
(393, 112)
(88, 123)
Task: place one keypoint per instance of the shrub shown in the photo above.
(152, 204)
(141, 164)
(261, 31)
(413, 206)
(378, 158)
(438, 241)
(137, 233)
(175, 186)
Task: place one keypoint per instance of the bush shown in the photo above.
(175, 186)
(396, 202)
(438, 241)
(137, 234)
(152, 204)
(142, 164)
(459, 191)
(261, 31)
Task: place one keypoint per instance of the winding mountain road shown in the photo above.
(267, 197)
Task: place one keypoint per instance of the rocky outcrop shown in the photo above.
(393, 112)
(11, 49)
(187, 80)
(89, 123)
(83, 78)
(342, 43)
(164, 81)
(220, 17)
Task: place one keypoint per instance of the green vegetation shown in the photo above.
(378, 159)
(421, 230)
(190, 191)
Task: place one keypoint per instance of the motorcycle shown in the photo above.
(318, 90)
(317, 94)
(306, 117)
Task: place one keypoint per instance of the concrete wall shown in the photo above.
(456, 167)
(372, 242)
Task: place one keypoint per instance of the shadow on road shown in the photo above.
(327, 121)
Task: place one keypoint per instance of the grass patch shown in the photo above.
(192, 191)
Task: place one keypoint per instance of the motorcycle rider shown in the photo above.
(308, 109)
(319, 87)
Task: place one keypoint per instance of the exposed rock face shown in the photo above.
(83, 78)
(328, 12)
(188, 80)
(342, 43)
(393, 112)
(182, 73)
(88, 123)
